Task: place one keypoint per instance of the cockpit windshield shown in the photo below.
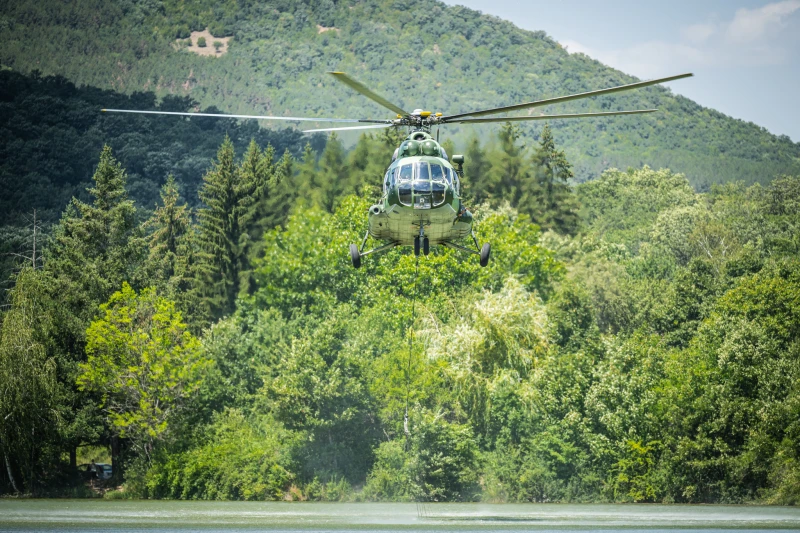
(422, 184)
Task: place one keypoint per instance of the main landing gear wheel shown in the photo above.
(485, 251)
(355, 256)
(426, 246)
(416, 246)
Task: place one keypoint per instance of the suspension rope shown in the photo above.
(410, 351)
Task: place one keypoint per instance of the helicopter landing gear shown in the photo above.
(357, 253)
(355, 256)
(421, 241)
(485, 251)
(422, 244)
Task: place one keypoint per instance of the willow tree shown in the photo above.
(29, 388)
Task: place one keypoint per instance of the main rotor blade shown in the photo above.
(350, 128)
(551, 117)
(569, 98)
(220, 115)
(360, 87)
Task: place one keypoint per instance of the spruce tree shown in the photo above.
(510, 168)
(549, 199)
(331, 181)
(98, 246)
(306, 176)
(219, 234)
(282, 194)
(475, 185)
(366, 166)
(95, 248)
(257, 171)
(168, 224)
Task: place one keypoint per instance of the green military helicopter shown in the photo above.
(421, 202)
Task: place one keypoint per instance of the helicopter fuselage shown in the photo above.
(421, 203)
(420, 198)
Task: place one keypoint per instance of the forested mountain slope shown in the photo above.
(51, 132)
(448, 59)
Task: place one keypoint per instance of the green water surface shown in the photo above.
(175, 516)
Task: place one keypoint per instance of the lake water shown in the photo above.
(181, 516)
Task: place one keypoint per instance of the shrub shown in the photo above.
(236, 458)
(441, 464)
(201, 42)
(182, 32)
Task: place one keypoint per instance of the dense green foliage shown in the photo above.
(631, 339)
(442, 58)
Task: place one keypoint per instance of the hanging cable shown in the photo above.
(410, 351)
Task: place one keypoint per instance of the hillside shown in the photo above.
(448, 59)
(52, 134)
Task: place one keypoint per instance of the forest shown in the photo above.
(437, 57)
(632, 339)
(52, 131)
(178, 301)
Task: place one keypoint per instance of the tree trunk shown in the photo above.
(73, 457)
(10, 475)
(116, 459)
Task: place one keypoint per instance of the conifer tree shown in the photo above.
(282, 194)
(219, 233)
(510, 168)
(95, 248)
(257, 173)
(549, 199)
(366, 165)
(306, 175)
(331, 182)
(475, 185)
(169, 224)
(98, 246)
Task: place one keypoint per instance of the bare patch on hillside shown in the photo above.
(323, 29)
(209, 49)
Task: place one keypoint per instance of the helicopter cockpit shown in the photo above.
(421, 184)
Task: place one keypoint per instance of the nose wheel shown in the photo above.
(423, 244)
(421, 241)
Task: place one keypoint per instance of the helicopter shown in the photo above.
(421, 204)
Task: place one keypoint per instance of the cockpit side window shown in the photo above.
(388, 181)
(454, 179)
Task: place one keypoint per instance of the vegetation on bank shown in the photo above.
(442, 58)
(631, 339)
